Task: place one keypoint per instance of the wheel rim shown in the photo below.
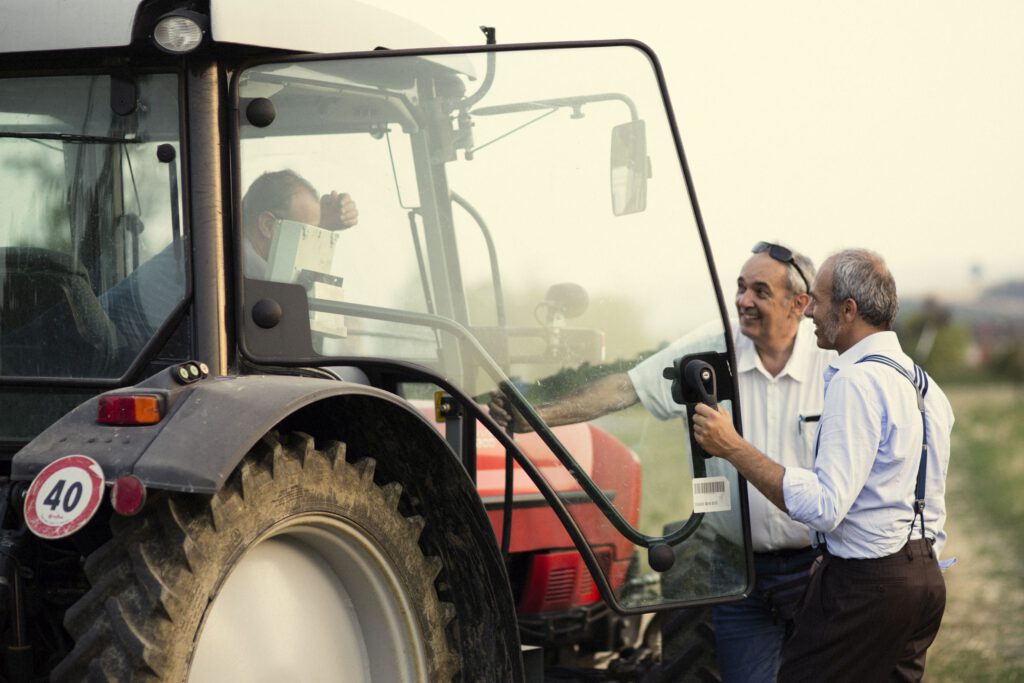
(314, 599)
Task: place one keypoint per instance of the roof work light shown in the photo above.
(180, 31)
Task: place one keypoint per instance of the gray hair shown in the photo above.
(861, 275)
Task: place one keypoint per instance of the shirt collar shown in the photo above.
(255, 265)
(884, 343)
(799, 365)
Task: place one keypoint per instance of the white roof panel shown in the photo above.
(302, 25)
(32, 25)
(315, 26)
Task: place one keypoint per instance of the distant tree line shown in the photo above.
(945, 347)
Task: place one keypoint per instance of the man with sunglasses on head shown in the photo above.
(875, 495)
(779, 372)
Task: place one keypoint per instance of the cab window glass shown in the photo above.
(92, 260)
(526, 237)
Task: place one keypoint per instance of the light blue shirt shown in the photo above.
(860, 493)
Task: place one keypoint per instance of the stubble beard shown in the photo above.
(829, 327)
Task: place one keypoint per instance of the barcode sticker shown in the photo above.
(711, 494)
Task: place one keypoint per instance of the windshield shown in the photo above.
(91, 253)
(524, 234)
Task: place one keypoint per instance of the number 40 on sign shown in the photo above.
(64, 496)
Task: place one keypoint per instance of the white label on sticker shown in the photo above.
(711, 494)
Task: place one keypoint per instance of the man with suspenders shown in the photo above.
(875, 497)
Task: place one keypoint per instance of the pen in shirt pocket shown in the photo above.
(807, 418)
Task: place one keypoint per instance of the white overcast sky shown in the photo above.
(897, 126)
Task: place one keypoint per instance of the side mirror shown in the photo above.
(629, 168)
(564, 301)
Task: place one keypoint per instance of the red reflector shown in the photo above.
(129, 409)
(555, 582)
(128, 495)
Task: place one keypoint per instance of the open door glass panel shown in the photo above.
(517, 224)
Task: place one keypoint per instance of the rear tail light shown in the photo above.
(556, 582)
(130, 409)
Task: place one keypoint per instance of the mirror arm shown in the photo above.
(467, 103)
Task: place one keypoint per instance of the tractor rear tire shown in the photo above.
(688, 647)
(300, 568)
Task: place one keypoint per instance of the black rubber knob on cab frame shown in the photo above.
(267, 313)
(260, 112)
(165, 153)
(661, 557)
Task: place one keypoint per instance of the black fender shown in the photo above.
(210, 426)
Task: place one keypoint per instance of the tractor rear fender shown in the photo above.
(210, 425)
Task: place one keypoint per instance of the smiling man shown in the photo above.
(780, 371)
(875, 494)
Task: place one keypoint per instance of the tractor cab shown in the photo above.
(524, 230)
(318, 224)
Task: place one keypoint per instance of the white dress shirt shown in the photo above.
(860, 492)
(774, 412)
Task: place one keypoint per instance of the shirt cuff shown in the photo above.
(799, 488)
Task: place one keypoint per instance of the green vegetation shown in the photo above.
(1009, 363)
(982, 635)
(988, 448)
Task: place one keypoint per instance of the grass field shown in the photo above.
(982, 635)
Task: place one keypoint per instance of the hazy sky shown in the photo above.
(898, 126)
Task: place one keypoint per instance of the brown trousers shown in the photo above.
(867, 620)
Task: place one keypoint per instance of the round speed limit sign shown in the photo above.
(64, 496)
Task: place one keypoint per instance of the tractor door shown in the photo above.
(93, 247)
(527, 236)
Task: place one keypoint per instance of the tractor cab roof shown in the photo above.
(295, 25)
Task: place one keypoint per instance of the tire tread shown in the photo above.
(151, 583)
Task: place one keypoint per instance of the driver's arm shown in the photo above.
(600, 397)
(338, 211)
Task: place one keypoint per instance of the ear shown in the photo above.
(849, 310)
(265, 223)
(800, 304)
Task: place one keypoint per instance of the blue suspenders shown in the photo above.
(920, 384)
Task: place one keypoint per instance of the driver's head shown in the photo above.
(276, 196)
(771, 294)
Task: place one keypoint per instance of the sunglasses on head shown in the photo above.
(782, 254)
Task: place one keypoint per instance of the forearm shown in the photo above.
(762, 472)
(600, 397)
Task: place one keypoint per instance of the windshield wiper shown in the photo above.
(72, 137)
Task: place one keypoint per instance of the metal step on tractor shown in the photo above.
(261, 282)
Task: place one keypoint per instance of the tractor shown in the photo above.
(263, 269)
